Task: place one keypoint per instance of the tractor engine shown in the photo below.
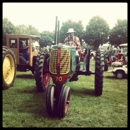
(62, 63)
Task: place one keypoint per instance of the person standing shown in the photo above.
(86, 54)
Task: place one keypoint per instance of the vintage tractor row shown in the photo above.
(62, 65)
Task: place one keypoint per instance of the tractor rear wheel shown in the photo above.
(99, 69)
(9, 67)
(42, 76)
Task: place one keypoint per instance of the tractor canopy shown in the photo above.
(123, 48)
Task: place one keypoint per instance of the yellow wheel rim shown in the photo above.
(8, 69)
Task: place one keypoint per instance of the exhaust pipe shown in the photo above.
(57, 31)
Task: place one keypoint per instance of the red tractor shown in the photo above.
(118, 60)
(61, 65)
(81, 55)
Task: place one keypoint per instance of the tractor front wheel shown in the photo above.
(50, 100)
(119, 74)
(64, 101)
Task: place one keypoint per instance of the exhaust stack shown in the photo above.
(57, 31)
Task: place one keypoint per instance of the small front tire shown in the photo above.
(120, 74)
(64, 101)
(50, 100)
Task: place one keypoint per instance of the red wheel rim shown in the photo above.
(67, 103)
(46, 79)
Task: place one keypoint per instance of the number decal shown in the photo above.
(58, 78)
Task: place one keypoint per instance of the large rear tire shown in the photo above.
(9, 67)
(99, 69)
(42, 76)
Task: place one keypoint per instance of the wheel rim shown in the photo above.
(52, 98)
(46, 80)
(8, 69)
(119, 75)
(67, 103)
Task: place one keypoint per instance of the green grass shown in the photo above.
(23, 106)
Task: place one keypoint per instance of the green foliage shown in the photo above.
(22, 29)
(97, 30)
(46, 38)
(78, 27)
(118, 34)
(8, 27)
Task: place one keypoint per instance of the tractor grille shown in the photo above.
(64, 61)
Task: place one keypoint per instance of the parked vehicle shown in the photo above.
(11, 56)
(119, 72)
(119, 59)
(124, 47)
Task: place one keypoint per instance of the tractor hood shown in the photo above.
(62, 46)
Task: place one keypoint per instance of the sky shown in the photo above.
(42, 16)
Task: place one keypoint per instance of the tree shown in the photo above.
(46, 38)
(8, 28)
(30, 30)
(118, 34)
(97, 31)
(78, 27)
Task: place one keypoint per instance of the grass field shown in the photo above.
(23, 106)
